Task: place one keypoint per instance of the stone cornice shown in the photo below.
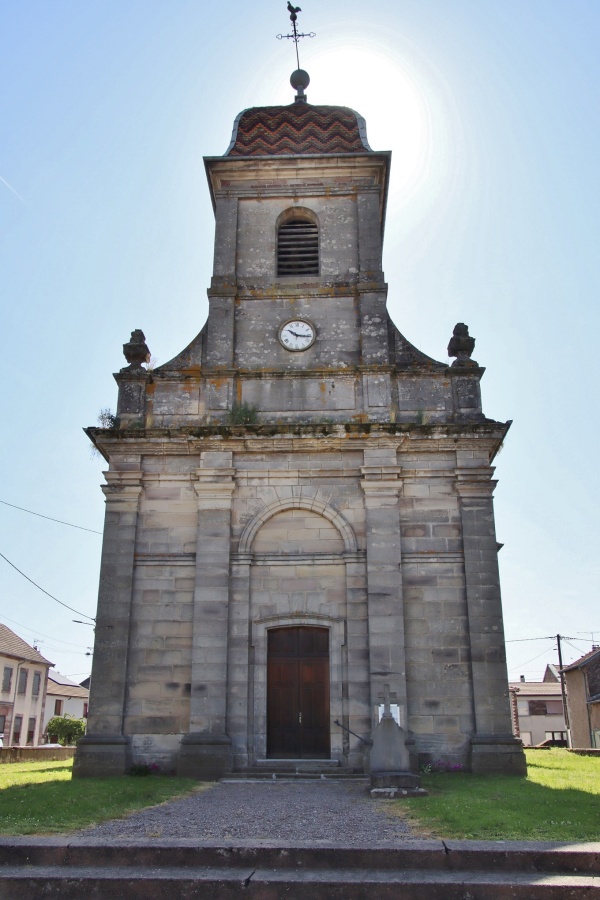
(292, 437)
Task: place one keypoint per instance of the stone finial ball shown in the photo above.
(299, 79)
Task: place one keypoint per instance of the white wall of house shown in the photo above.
(70, 706)
(22, 701)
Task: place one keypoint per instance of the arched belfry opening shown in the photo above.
(297, 243)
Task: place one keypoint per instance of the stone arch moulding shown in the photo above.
(317, 506)
(297, 212)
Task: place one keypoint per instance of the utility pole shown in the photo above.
(562, 687)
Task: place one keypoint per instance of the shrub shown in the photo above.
(65, 729)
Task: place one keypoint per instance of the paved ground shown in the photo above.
(306, 811)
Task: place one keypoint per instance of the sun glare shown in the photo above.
(406, 103)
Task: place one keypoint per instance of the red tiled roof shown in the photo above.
(536, 688)
(298, 129)
(12, 645)
(582, 661)
(67, 690)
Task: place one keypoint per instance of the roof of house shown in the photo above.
(60, 686)
(551, 673)
(298, 129)
(536, 688)
(12, 645)
(583, 660)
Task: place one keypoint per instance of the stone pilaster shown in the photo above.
(206, 751)
(104, 749)
(357, 695)
(381, 486)
(238, 670)
(494, 749)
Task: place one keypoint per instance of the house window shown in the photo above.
(2, 725)
(298, 247)
(554, 707)
(559, 737)
(22, 688)
(58, 707)
(6, 679)
(35, 687)
(18, 724)
(30, 730)
(522, 707)
(526, 738)
(537, 707)
(85, 710)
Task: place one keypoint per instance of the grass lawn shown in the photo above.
(558, 801)
(41, 798)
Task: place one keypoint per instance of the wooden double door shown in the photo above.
(298, 693)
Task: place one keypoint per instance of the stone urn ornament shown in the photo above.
(136, 351)
(461, 346)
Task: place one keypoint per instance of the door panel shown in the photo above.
(298, 693)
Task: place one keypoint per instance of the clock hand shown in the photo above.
(295, 333)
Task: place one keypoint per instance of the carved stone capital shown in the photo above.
(213, 493)
(387, 474)
(475, 482)
(122, 487)
(221, 475)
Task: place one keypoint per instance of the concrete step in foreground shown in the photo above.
(418, 869)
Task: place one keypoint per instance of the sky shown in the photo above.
(490, 110)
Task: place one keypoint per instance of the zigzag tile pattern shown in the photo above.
(297, 129)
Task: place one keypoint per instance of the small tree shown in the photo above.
(65, 729)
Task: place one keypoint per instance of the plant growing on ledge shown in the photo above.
(242, 414)
(107, 419)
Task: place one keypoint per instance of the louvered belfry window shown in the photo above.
(298, 248)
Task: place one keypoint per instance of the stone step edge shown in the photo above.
(410, 854)
(291, 876)
(291, 777)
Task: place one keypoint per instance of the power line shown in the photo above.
(549, 637)
(52, 597)
(37, 631)
(50, 519)
(543, 653)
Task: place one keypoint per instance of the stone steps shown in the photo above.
(417, 869)
(294, 770)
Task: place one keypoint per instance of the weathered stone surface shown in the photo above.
(346, 486)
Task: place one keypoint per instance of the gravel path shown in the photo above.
(310, 811)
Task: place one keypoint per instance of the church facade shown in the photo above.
(299, 516)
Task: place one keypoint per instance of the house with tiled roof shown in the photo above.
(64, 698)
(582, 679)
(24, 673)
(538, 713)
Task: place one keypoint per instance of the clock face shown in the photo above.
(297, 334)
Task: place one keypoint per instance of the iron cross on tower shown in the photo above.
(296, 35)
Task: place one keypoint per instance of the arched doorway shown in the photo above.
(298, 693)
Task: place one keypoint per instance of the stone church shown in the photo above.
(299, 517)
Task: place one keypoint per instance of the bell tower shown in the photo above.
(299, 515)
